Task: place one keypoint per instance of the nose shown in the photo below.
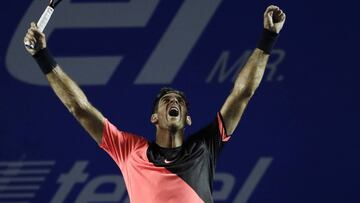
(174, 99)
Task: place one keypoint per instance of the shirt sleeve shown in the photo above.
(119, 144)
(213, 136)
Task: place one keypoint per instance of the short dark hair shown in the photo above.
(166, 90)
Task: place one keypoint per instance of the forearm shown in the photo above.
(64, 87)
(67, 90)
(251, 74)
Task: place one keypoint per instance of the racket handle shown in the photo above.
(42, 22)
(45, 17)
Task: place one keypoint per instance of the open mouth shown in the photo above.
(174, 112)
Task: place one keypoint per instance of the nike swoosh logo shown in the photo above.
(168, 162)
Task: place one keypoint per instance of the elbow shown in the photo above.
(79, 109)
(247, 92)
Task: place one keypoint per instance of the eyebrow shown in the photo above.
(167, 96)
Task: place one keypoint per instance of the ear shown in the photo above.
(188, 120)
(154, 118)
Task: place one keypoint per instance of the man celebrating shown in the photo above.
(169, 169)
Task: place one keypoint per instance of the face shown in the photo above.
(171, 112)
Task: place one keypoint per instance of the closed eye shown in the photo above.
(180, 100)
(165, 99)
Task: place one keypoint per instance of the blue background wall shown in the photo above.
(297, 142)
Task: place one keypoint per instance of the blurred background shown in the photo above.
(297, 142)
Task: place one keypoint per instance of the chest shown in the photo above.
(190, 158)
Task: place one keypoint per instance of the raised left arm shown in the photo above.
(251, 74)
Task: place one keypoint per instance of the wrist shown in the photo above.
(267, 41)
(45, 60)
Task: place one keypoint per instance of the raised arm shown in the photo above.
(251, 74)
(64, 87)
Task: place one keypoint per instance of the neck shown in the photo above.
(169, 138)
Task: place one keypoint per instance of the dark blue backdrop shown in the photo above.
(297, 142)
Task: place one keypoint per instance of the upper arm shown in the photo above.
(232, 110)
(91, 120)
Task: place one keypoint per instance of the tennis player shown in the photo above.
(169, 169)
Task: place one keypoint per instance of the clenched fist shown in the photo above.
(35, 38)
(274, 19)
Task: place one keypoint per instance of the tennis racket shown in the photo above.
(44, 19)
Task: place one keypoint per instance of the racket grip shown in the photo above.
(44, 19)
(42, 22)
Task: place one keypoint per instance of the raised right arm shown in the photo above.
(64, 87)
